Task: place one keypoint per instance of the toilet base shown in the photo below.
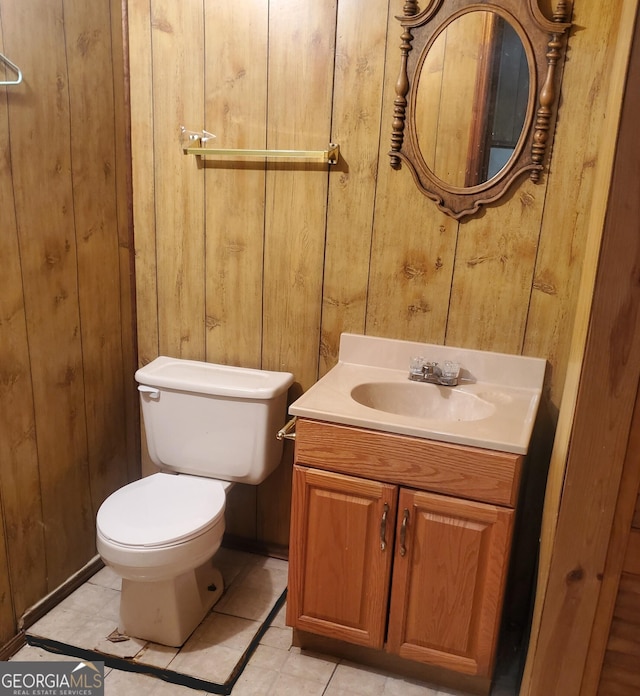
(168, 611)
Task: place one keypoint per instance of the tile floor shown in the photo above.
(275, 668)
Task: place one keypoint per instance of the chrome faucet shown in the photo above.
(446, 375)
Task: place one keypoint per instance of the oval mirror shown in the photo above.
(477, 93)
(471, 96)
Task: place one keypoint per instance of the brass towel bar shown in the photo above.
(330, 156)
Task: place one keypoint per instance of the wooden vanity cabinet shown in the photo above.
(339, 574)
(405, 568)
(448, 581)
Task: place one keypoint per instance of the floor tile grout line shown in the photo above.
(333, 671)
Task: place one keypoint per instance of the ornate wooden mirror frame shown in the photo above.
(541, 53)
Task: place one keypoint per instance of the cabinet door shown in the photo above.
(450, 568)
(340, 555)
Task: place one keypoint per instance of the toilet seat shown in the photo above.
(161, 525)
(161, 510)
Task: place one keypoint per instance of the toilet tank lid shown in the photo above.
(210, 378)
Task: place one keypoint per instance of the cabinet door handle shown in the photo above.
(383, 528)
(403, 532)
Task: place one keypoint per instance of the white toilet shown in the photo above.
(207, 426)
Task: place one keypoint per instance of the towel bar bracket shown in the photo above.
(14, 67)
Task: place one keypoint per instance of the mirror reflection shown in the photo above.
(471, 98)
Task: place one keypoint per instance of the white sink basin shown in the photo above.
(494, 406)
(418, 400)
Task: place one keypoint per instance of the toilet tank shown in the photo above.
(213, 420)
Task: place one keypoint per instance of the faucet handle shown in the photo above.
(450, 373)
(450, 368)
(416, 366)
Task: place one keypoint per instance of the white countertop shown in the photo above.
(510, 387)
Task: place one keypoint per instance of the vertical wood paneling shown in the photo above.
(124, 205)
(301, 65)
(299, 116)
(7, 612)
(178, 99)
(358, 80)
(636, 515)
(413, 243)
(88, 35)
(620, 674)
(64, 443)
(412, 258)
(20, 494)
(493, 272)
(577, 149)
(143, 180)
(355, 248)
(428, 278)
(619, 550)
(143, 169)
(236, 105)
(571, 578)
(49, 263)
(620, 25)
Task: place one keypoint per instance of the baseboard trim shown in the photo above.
(11, 648)
(38, 610)
(260, 548)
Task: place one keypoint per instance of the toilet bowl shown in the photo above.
(161, 526)
(206, 426)
(159, 534)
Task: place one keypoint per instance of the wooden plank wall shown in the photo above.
(251, 265)
(602, 472)
(67, 402)
(265, 265)
(620, 674)
(611, 663)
